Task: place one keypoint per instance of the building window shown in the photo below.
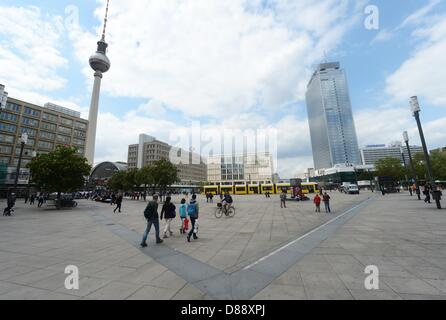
(63, 139)
(13, 107)
(30, 122)
(5, 149)
(8, 127)
(6, 139)
(67, 122)
(45, 145)
(78, 142)
(64, 130)
(49, 117)
(80, 125)
(4, 160)
(8, 117)
(32, 112)
(79, 134)
(30, 132)
(47, 135)
(31, 142)
(48, 126)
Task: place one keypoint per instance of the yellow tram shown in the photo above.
(251, 189)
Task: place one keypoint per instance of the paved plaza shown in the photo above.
(264, 252)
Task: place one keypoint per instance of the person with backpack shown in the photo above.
(151, 215)
(317, 201)
(183, 215)
(193, 212)
(168, 213)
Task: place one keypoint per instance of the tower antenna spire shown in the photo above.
(105, 20)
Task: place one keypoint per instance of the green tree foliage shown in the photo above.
(438, 161)
(61, 171)
(145, 177)
(390, 167)
(164, 173)
(117, 181)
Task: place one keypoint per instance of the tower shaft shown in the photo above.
(93, 118)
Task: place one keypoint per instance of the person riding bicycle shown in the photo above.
(227, 202)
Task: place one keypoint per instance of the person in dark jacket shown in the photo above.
(168, 213)
(118, 203)
(151, 215)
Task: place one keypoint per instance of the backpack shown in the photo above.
(192, 210)
(149, 211)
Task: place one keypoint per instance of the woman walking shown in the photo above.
(168, 213)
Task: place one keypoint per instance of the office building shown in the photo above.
(332, 128)
(47, 127)
(192, 170)
(248, 168)
(372, 153)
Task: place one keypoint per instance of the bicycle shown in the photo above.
(227, 211)
(8, 212)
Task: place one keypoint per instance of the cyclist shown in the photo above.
(227, 202)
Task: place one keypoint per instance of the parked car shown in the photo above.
(351, 189)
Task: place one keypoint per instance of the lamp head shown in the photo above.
(414, 104)
(405, 136)
(24, 138)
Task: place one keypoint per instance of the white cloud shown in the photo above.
(421, 74)
(202, 57)
(30, 56)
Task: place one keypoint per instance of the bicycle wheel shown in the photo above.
(231, 212)
(218, 213)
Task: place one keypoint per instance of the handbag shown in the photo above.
(196, 226)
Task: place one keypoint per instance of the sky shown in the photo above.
(236, 64)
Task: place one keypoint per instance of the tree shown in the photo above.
(164, 174)
(145, 177)
(131, 179)
(390, 167)
(61, 171)
(117, 181)
(438, 159)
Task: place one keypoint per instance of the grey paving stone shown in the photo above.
(322, 293)
(115, 291)
(411, 286)
(153, 293)
(281, 292)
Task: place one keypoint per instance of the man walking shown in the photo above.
(326, 199)
(118, 203)
(283, 199)
(193, 212)
(151, 215)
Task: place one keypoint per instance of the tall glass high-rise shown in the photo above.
(332, 128)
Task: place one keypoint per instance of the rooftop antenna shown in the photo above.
(105, 20)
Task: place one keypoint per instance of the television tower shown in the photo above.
(100, 64)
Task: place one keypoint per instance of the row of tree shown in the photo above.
(393, 168)
(158, 176)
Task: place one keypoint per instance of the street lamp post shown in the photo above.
(405, 172)
(23, 141)
(414, 174)
(415, 107)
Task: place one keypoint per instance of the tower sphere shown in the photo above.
(99, 61)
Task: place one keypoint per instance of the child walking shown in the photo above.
(183, 215)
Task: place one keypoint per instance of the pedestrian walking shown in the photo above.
(326, 199)
(193, 212)
(26, 198)
(426, 192)
(168, 213)
(118, 203)
(32, 199)
(283, 199)
(183, 215)
(317, 201)
(40, 201)
(151, 215)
